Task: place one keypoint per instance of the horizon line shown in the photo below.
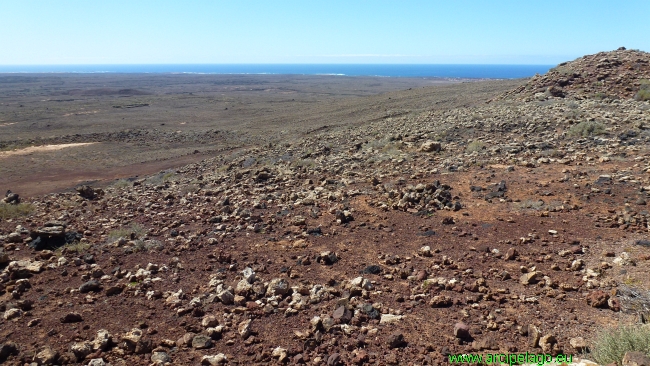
(269, 63)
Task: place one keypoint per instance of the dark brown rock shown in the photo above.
(396, 340)
(597, 299)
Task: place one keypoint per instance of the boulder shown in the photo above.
(431, 146)
(635, 359)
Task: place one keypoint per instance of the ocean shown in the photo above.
(382, 70)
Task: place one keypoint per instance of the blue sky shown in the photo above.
(39, 32)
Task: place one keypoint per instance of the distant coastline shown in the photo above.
(464, 71)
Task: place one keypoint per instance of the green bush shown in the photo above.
(8, 211)
(121, 183)
(305, 163)
(475, 146)
(644, 91)
(587, 128)
(643, 95)
(611, 345)
(77, 247)
(136, 229)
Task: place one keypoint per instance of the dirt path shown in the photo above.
(57, 180)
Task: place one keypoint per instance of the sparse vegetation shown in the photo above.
(586, 128)
(378, 144)
(9, 211)
(121, 183)
(144, 246)
(529, 204)
(602, 96)
(305, 163)
(160, 178)
(611, 345)
(136, 229)
(475, 146)
(76, 247)
(189, 188)
(644, 91)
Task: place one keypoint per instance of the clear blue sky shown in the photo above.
(314, 31)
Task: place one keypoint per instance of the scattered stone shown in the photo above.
(441, 301)
(342, 315)
(81, 349)
(373, 269)
(71, 318)
(11, 198)
(533, 336)
(579, 344)
(279, 353)
(46, 356)
(635, 359)
(135, 342)
(334, 359)
(389, 318)
(547, 343)
(201, 342)
(396, 340)
(89, 193)
(598, 299)
(278, 287)
(160, 357)
(461, 331)
(214, 360)
(8, 349)
(90, 286)
(370, 311)
(12, 314)
(486, 343)
(529, 278)
(431, 146)
(244, 328)
(425, 251)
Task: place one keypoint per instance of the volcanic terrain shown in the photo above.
(379, 223)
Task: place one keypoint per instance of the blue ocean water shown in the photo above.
(385, 70)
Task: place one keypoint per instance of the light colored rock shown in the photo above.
(529, 278)
(214, 360)
(578, 344)
(97, 362)
(102, 340)
(635, 359)
(425, 251)
(12, 314)
(279, 353)
(249, 275)
(244, 328)
(81, 349)
(277, 287)
(46, 356)
(209, 321)
(160, 358)
(430, 146)
(226, 297)
(389, 318)
(243, 288)
(547, 342)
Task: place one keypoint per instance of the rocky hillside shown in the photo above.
(520, 225)
(617, 74)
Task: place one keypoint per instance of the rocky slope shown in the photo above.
(513, 226)
(617, 74)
